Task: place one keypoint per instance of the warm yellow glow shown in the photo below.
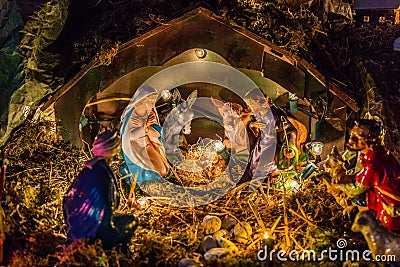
(166, 95)
(142, 202)
(266, 235)
(293, 184)
(201, 53)
(316, 148)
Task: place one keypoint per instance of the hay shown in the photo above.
(41, 167)
(201, 165)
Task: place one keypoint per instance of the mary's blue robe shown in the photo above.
(133, 132)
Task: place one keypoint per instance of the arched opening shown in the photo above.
(105, 108)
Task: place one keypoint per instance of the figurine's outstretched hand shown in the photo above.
(258, 125)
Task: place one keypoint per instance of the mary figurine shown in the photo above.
(141, 135)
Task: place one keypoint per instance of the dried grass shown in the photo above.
(41, 167)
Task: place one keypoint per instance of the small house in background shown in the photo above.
(372, 12)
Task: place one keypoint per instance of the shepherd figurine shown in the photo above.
(91, 200)
(379, 177)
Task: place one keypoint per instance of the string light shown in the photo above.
(200, 53)
(316, 148)
(142, 203)
(166, 95)
(293, 99)
(266, 235)
(219, 146)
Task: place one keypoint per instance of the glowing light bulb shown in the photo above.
(267, 242)
(219, 146)
(142, 202)
(200, 53)
(316, 148)
(266, 235)
(293, 184)
(166, 95)
(293, 99)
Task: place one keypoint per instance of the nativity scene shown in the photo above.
(176, 148)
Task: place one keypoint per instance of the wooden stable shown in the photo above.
(274, 70)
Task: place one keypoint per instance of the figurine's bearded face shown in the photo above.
(358, 138)
(258, 105)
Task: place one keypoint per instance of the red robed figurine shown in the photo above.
(380, 174)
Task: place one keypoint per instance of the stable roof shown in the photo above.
(172, 43)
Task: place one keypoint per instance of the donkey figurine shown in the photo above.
(178, 119)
